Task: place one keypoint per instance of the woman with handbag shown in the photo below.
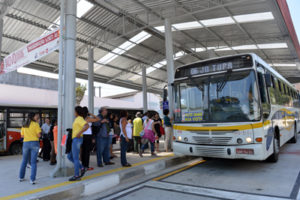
(149, 135)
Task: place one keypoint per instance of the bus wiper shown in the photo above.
(221, 85)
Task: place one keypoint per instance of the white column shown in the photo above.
(91, 89)
(1, 32)
(170, 63)
(145, 100)
(70, 63)
(57, 171)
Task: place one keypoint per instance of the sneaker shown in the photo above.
(100, 165)
(90, 169)
(82, 172)
(32, 182)
(21, 179)
(28, 166)
(141, 154)
(74, 178)
(109, 163)
(127, 165)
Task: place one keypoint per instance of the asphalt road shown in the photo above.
(221, 179)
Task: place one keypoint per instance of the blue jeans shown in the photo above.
(124, 146)
(102, 149)
(73, 156)
(145, 146)
(30, 149)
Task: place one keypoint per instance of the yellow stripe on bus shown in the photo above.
(221, 128)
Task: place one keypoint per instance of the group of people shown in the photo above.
(103, 129)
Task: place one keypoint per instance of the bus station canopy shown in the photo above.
(127, 35)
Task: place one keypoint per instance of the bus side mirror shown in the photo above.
(268, 80)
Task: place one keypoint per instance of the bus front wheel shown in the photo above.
(276, 147)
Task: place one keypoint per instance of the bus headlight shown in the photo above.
(179, 138)
(248, 139)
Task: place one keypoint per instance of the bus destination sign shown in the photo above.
(216, 65)
(211, 68)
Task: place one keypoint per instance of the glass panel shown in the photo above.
(220, 98)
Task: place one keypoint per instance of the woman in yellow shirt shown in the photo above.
(31, 133)
(79, 126)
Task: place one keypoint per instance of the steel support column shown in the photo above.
(145, 100)
(59, 157)
(70, 62)
(1, 32)
(91, 89)
(170, 63)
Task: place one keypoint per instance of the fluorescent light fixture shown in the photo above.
(199, 49)
(142, 36)
(273, 46)
(254, 17)
(218, 21)
(221, 21)
(187, 25)
(283, 65)
(83, 6)
(178, 55)
(244, 47)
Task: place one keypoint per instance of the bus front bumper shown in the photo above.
(249, 152)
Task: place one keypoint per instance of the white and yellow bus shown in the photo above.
(234, 107)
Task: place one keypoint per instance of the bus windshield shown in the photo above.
(228, 97)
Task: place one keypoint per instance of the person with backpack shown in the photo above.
(78, 128)
(149, 135)
(102, 139)
(87, 138)
(30, 132)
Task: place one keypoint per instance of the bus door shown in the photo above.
(2, 130)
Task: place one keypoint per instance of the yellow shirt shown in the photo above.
(31, 133)
(78, 125)
(137, 126)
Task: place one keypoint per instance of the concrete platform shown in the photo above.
(281, 179)
(12, 188)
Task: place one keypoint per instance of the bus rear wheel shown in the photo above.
(294, 139)
(276, 147)
(15, 148)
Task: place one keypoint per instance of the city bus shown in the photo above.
(12, 117)
(234, 107)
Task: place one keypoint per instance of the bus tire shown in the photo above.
(276, 148)
(15, 148)
(294, 138)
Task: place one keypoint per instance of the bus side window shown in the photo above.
(263, 91)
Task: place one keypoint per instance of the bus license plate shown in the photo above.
(245, 151)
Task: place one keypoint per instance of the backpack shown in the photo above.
(69, 141)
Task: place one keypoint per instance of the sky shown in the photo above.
(294, 6)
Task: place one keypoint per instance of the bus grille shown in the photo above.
(211, 152)
(212, 140)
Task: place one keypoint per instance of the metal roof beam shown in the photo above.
(82, 58)
(28, 21)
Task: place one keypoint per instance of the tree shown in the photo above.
(80, 90)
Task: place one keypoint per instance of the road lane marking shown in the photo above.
(179, 170)
(29, 192)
